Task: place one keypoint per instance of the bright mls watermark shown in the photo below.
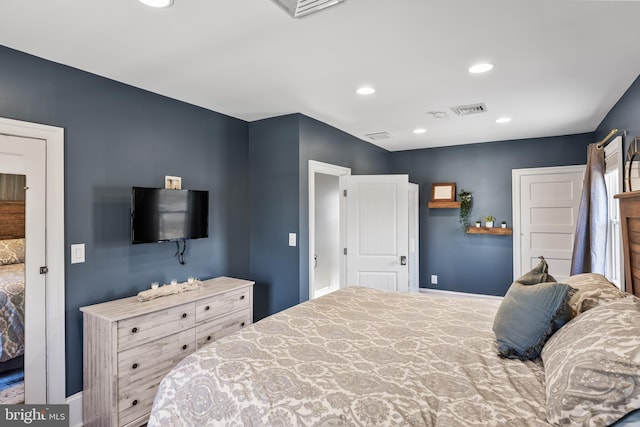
(34, 415)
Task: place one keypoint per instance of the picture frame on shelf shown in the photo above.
(443, 192)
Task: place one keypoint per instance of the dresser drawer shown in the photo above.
(209, 332)
(140, 370)
(148, 327)
(219, 305)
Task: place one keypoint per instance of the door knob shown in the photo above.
(403, 260)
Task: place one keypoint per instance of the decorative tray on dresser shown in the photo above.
(129, 346)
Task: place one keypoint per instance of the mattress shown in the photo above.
(358, 356)
(11, 311)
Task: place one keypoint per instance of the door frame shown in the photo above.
(516, 175)
(327, 169)
(55, 248)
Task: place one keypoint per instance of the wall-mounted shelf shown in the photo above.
(493, 230)
(444, 205)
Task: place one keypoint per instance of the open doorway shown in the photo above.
(324, 227)
(37, 152)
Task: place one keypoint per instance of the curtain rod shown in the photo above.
(606, 139)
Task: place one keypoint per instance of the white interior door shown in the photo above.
(414, 237)
(27, 156)
(377, 231)
(545, 209)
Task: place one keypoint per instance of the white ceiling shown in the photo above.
(560, 65)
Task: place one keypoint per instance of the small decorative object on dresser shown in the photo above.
(504, 224)
(129, 346)
(478, 223)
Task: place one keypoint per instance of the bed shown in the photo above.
(362, 357)
(11, 303)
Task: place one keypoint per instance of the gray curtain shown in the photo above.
(590, 245)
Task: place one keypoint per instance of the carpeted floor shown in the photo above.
(12, 387)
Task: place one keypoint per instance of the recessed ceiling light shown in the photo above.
(503, 120)
(157, 3)
(480, 68)
(419, 130)
(365, 90)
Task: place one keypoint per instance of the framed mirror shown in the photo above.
(632, 166)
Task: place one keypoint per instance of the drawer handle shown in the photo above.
(207, 308)
(134, 330)
(134, 366)
(209, 338)
(135, 402)
(184, 347)
(184, 315)
(242, 324)
(241, 296)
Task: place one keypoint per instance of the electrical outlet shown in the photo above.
(434, 279)
(292, 239)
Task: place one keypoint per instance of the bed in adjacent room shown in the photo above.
(364, 357)
(12, 286)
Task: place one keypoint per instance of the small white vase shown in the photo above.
(477, 224)
(488, 224)
(504, 225)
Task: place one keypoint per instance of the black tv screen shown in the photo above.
(161, 215)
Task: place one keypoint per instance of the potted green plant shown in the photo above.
(488, 221)
(504, 224)
(478, 223)
(466, 204)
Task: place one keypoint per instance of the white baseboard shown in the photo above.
(456, 294)
(75, 410)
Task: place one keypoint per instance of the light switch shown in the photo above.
(77, 253)
(292, 239)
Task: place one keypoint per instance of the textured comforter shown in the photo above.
(357, 357)
(11, 311)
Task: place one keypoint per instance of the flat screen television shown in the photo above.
(161, 215)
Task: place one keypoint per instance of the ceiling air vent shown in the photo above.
(465, 110)
(300, 8)
(378, 136)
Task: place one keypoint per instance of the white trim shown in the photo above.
(516, 176)
(75, 410)
(328, 169)
(54, 137)
(457, 294)
(614, 158)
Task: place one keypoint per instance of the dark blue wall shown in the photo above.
(117, 137)
(279, 152)
(476, 263)
(323, 143)
(625, 115)
(273, 174)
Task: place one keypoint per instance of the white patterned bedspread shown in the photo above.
(11, 311)
(358, 357)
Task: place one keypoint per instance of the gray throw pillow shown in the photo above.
(528, 316)
(530, 313)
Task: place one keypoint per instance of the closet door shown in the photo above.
(545, 211)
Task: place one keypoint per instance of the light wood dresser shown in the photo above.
(129, 346)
